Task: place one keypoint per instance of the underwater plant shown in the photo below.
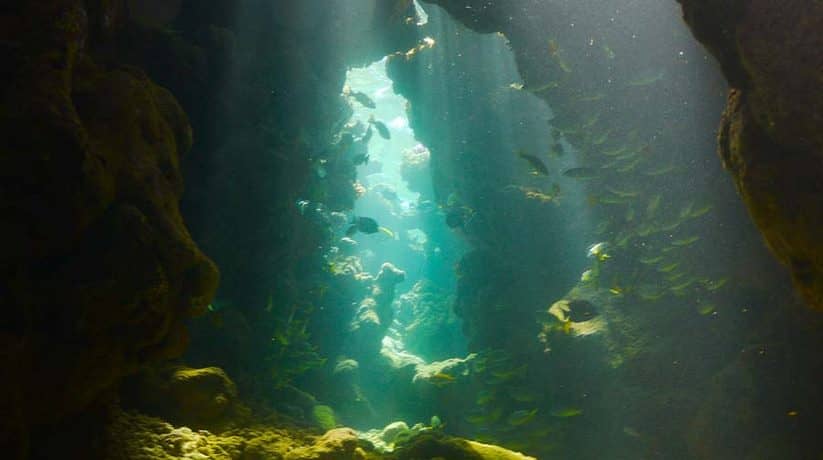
(291, 352)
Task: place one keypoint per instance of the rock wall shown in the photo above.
(99, 272)
(770, 136)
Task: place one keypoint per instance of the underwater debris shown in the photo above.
(582, 173)
(536, 164)
(381, 127)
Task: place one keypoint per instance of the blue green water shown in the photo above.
(545, 254)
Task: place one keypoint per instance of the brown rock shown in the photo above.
(98, 269)
(770, 138)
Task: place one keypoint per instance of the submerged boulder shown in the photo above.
(198, 398)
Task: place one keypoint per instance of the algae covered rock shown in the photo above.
(770, 138)
(323, 417)
(99, 272)
(435, 445)
(198, 398)
(337, 444)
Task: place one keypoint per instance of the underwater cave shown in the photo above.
(411, 229)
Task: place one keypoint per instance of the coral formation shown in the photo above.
(374, 315)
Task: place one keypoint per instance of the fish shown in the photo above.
(480, 419)
(701, 211)
(591, 98)
(623, 193)
(685, 241)
(367, 137)
(660, 171)
(554, 48)
(647, 80)
(557, 150)
(715, 285)
(613, 200)
(608, 52)
(615, 152)
(516, 86)
(601, 139)
(630, 166)
(521, 417)
(365, 225)
(650, 260)
(650, 293)
(653, 205)
(617, 290)
(591, 121)
(381, 127)
(363, 99)
(361, 159)
(598, 251)
(567, 412)
(705, 309)
(668, 268)
(484, 397)
(683, 285)
(582, 173)
(523, 396)
(442, 378)
(686, 211)
(546, 87)
(535, 194)
(669, 227)
(587, 276)
(538, 167)
(387, 232)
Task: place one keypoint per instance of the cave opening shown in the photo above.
(404, 229)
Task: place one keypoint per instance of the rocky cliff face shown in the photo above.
(99, 271)
(770, 136)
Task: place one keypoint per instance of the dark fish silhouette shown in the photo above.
(381, 127)
(538, 168)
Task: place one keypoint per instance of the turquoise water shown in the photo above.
(545, 254)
